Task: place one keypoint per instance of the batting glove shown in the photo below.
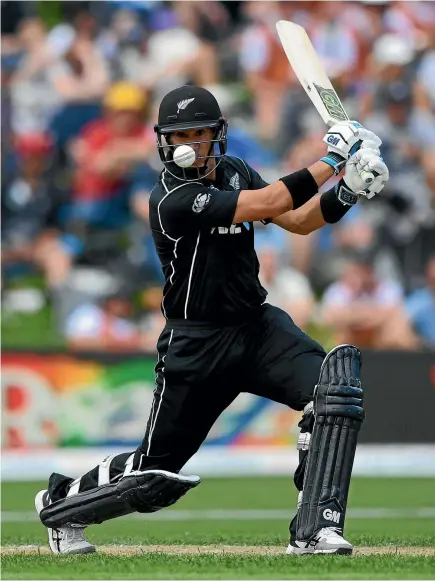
(352, 185)
(344, 139)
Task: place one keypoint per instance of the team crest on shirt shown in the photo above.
(235, 182)
(200, 202)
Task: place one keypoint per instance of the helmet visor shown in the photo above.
(186, 126)
(201, 168)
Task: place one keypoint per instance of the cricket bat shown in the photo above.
(312, 76)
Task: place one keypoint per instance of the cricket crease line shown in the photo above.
(221, 550)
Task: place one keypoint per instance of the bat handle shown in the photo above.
(367, 177)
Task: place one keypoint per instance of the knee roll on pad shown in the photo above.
(147, 491)
(338, 415)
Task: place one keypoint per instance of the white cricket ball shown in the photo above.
(184, 156)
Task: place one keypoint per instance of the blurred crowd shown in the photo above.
(81, 83)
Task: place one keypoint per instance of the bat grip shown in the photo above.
(367, 177)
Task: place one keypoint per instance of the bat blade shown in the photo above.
(312, 76)
(310, 72)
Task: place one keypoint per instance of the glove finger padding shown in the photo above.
(369, 139)
(370, 144)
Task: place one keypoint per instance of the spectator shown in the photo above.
(412, 20)
(79, 73)
(426, 79)
(420, 307)
(265, 66)
(213, 24)
(34, 99)
(56, 70)
(80, 77)
(85, 25)
(406, 204)
(367, 311)
(105, 154)
(123, 44)
(175, 55)
(287, 288)
(426, 73)
(103, 327)
(28, 205)
(339, 58)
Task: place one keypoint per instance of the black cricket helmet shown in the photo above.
(185, 108)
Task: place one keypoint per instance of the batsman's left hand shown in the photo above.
(344, 139)
(366, 159)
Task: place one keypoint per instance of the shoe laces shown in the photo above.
(330, 532)
(75, 534)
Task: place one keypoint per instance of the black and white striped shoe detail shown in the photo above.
(64, 540)
(326, 541)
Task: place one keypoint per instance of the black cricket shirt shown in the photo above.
(209, 263)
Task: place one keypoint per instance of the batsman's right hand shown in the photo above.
(369, 160)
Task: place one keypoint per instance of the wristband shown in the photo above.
(335, 203)
(301, 185)
(336, 161)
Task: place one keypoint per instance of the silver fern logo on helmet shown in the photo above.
(183, 104)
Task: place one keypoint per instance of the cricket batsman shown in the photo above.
(221, 338)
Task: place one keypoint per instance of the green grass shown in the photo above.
(33, 330)
(161, 566)
(263, 492)
(252, 493)
(27, 330)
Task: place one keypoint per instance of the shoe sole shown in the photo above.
(300, 551)
(39, 505)
(90, 549)
(340, 551)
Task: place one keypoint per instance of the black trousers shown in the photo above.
(200, 371)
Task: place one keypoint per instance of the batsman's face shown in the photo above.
(201, 142)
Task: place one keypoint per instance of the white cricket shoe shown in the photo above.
(64, 540)
(325, 541)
